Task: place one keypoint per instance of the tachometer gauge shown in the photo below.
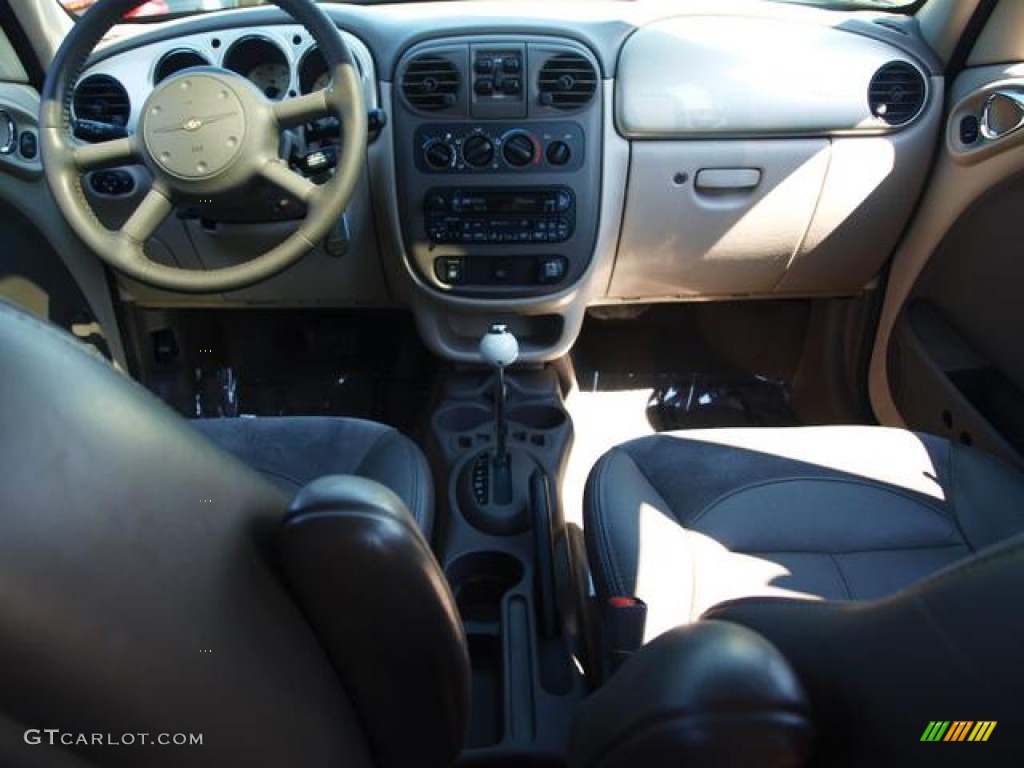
(271, 78)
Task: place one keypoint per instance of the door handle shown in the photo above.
(1003, 114)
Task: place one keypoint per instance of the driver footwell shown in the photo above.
(210, 363)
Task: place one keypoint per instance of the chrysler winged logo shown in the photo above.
(193, 124)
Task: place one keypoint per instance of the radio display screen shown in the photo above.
(499, 202)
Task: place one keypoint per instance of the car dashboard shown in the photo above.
(529, 160)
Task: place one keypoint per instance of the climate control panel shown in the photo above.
(499, 147)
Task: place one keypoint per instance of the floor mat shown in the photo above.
(699, 400)
(368, 365)
(697, 375)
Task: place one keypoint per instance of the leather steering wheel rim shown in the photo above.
(202, 132)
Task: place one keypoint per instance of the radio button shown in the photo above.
(437, 203)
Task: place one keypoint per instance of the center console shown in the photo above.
(498, 162)
(499, 446)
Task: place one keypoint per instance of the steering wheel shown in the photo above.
(204, 132)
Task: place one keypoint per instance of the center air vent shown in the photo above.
(567, 81)
(896, 93)
(431, 83)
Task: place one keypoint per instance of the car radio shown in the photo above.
(496, 215)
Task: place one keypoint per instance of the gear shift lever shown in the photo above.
(499, 349)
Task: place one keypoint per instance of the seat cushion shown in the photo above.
(686, 520)
(291, 451)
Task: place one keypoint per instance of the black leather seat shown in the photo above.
(916, 546)
(152, 583)
(928, 676)
(291, 451)
(687, 520)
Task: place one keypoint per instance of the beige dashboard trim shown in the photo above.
(10, 65)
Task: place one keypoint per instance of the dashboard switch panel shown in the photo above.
(115, 183)
(498, 91)
(516, 270)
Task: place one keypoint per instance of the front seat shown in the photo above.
(688, 520)
(290, 451)
(153, 586)
(883, 567)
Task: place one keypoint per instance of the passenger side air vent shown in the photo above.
(896, 93)
(431, 82)
(567, 81)
(101, 108)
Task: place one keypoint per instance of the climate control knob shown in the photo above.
(558, 153)
(518, 148)
(438, 154)
(478, 151)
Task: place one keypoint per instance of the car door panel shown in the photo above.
(948, 358)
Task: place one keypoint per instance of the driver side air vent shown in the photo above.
(101, 108)
(431, 83)
(102, 98)
(567, 81)
(896, 93)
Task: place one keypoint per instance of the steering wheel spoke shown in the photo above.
(154, 208)
(276, 172)
(302, 109)
(107, 154)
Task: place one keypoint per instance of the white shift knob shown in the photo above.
(498, 347)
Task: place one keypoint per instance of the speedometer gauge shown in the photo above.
(271, 78)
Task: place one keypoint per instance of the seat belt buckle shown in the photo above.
(623, 620)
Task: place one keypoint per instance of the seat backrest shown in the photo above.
(143, 587)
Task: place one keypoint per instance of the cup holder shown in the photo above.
(463, 418)
(539, 417)
(480, 580)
